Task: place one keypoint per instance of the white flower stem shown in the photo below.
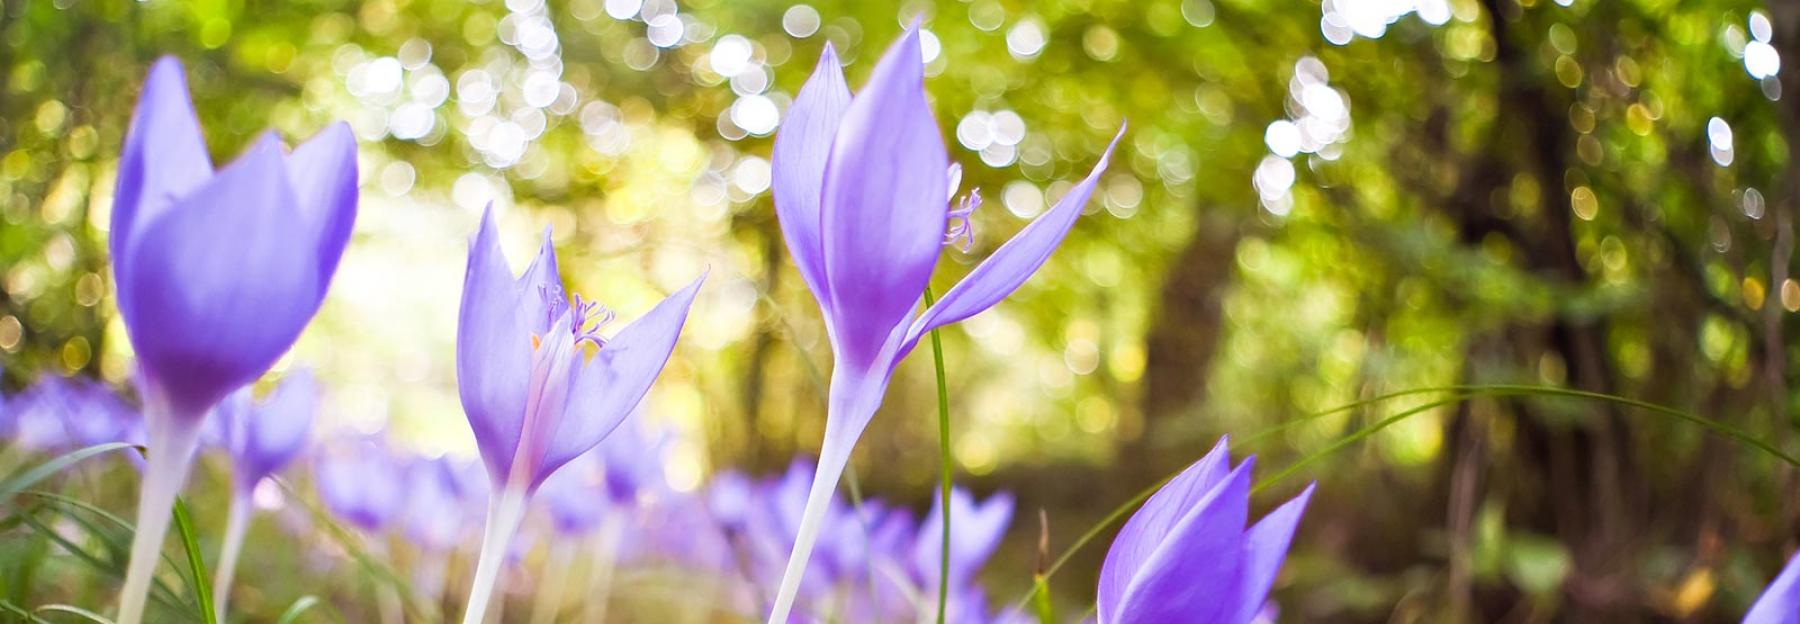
(504, 515)
(831, 468)
(237, 523)
(172, 439)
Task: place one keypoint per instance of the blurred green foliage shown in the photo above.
(1483, 191)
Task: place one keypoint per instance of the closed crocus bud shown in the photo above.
(1186, 555)
(217, 273)
(1780, 603)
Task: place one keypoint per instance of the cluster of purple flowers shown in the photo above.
(866, 198)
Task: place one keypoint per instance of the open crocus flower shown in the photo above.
(539, 382)
(1780, 603)
(217, 273)
(261, 439)
(1186, 557)
(861, 187)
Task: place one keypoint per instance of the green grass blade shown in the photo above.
(160, 591)
(31, 476)
(6, 606)
(74, 610)
(196, 563)
(293, 612)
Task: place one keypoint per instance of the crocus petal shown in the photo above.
(1146, 528)
(323, 173)
(609, 386)
(222, 287)
(493, 350)
(882, 209)
(164, 159)
(1014, 262)
(1780, 603)
(802, 146)
(540, 296)
(1265, 546)
(1193, 573)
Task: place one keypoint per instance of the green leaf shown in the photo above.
(196, 563)
(292, 614)
(29, 477)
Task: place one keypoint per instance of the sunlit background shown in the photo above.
(1316, 203)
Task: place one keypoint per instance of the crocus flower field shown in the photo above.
(975, 311)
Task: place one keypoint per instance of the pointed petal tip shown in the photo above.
(166, 66)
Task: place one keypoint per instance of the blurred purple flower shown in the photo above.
(217, 272)
(979, 528)
(361, 484)
(70, 412)
(539, 383)
(575, 497)
(437, 513)
(1185, 555)
(1780, 603)
(861, 186)
(262, 438)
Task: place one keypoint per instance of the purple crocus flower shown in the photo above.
(1780, 603)
(861, 186)
(217, 273)
(539, 383)
(1186, 556)
(360, 484)
(574, 498)
(261, 439)
(979, 528)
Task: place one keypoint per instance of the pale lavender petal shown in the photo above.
(1780, 603)
(1192, 576)
(882, 212)
(164, 159)
(540, 296)
(1013, 262)
(1265, 547)
(1146, 529)
(205, 323)
(609, 386)
(323, 173)
(493, 351)
(802, 146)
